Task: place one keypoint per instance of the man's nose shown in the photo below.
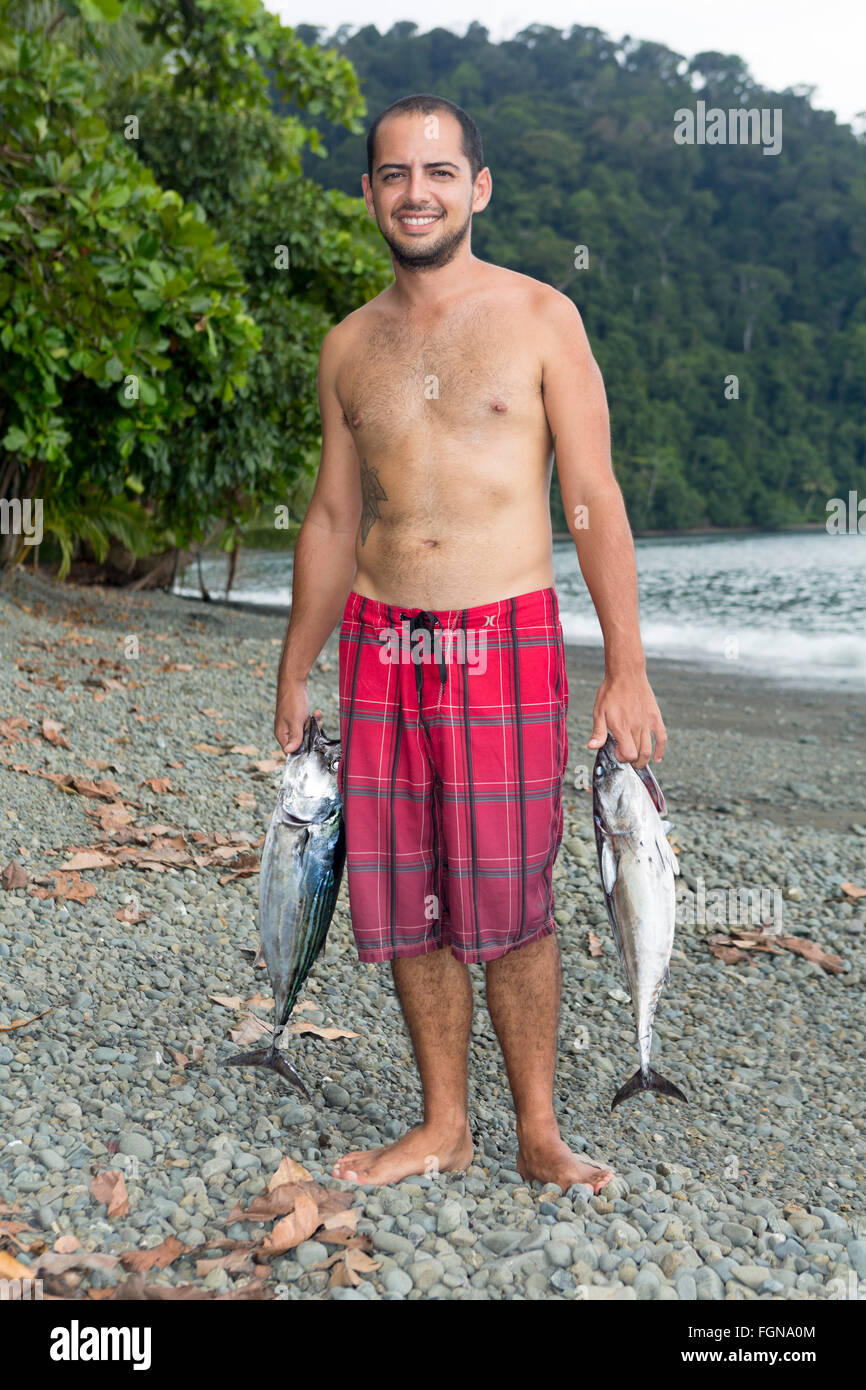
(418, 191)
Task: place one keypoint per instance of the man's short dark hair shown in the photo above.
(427, 104)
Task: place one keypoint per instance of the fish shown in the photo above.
(637, 867)
(299, 879)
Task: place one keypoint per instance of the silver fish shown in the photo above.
(637, 872)
(299, 879)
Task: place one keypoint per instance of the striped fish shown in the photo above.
(637, 872)
(302, 865)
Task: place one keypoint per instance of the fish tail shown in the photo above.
(274, 1060)
(647, 1081)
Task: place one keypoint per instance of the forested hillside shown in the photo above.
(705, 261)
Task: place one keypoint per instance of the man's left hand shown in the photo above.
(626, 707)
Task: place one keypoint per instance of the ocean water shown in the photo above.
(789, 606)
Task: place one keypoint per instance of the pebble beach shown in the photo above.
(753, 1190)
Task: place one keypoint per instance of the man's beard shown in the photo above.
(424, 258)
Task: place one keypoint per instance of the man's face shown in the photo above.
(422, 194)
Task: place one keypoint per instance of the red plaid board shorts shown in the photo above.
(454, 746)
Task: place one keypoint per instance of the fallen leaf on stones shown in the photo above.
(160, 785)
(250, 1030)
(595, 946)
(330, 1033)
(853, 891)
(294, 1229)
(770, 941)
(10, 1268)
(88, 859)
(135, 1288)
(51, 733)
(228, 1001)
(358, 1262)
(158, 1256)
(49, 1262)
(278, 1202)
(109, 1187)
(730, 955)
(812, 951)
(14, 875)
(259, 1001)
(240, 1261)
(289, 1172)
(179, 1058)
(247, 748)
(338, 1220)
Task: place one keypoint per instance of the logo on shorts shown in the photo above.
(451, 645)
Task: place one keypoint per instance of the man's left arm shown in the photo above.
(577, 413)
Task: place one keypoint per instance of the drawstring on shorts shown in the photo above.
(426, 622)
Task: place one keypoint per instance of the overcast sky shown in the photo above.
(784, 42)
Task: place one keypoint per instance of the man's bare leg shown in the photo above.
(523, 992)
(435, 994)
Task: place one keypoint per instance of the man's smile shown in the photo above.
(418, 219)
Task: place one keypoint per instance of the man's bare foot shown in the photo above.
(545, 1157)
(425, 1149)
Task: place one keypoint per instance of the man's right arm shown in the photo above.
(324, 557)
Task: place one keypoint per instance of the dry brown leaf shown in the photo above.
(270, 765)
(160, 785)
(259, 1001)
(249, 1031)
(249, 749)
(14, 875)
(289, 1172)
(342, 1219)
(730, 955)
(812, 951)
(10, 1268)
(158, 1256)
(88, 859)
(208, 748)
(330, 1033)
(179, 1058)
(853, 891)
(358, 1262)
(240, 1261)
(109, 1187)
(281, 1200)
(228, 1001)
(51, 733)
(292, 1230)
(50, 1262)
(595, 946)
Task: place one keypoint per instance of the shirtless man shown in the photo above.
(441, 400)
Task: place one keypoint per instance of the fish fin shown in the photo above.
(652, 1081)
(608, 866)
(667, 855)
(667, 826)
(271, 1058)
(657, 796)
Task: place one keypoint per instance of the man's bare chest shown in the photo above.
(463, 373)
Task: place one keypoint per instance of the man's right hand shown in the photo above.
(292, 714)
